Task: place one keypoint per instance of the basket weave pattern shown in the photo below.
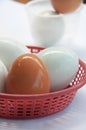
(33, 106)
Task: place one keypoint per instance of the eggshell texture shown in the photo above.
(28, 75)
(62, 65)
(66, 6)
(10, 50)
(3, 76)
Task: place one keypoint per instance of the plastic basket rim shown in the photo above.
(63, 91)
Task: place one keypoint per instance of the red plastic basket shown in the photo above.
(39, 105)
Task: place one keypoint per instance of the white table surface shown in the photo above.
(14, 25)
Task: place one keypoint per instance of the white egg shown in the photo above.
(3, 75)
(10, 50)
(62, 65)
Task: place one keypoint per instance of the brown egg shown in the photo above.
(65, 6)
(28, 75)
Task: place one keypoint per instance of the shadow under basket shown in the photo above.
(39, 105)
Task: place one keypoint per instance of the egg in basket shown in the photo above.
(18, 103)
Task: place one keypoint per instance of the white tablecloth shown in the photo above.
(14, 24)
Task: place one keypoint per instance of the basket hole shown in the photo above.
(53, 104)
(19, 115)
(36, 114)
(37, 107)
(78, 82)
(64, 104)
(2, 110)
(71, 84)
(61, 99)
(80, 72)
(20, 105)
(47, 99)
(81, 75)
(29, 105)
(46, 103)
(76, 79)
(11, 114)
(11, 107)
(74, 83)
(11, 104)
(1, 103)
(28, 109)
(2, 106)
(45, 107)
(67, 97)
(65, 100)
(57, 106)
(79, 79)
(83, 71)
(10, 101)
(59, 103)
(19, 111)
(3, 113)
(81, 68)
(44, 112)
(21, 101)
(79, 65)
(78, 75)
(28, 114)
(36, 111)
(34, 50)
(20, 108)
(62, 95)
(37, 104)
(55, 100)
(52, 107)
(1, 100)
(29, 102)
(11, 111)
